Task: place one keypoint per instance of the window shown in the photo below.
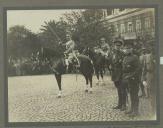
(138, 25)
(147, 22)
(122, 28)
(130, 27)
(116, 28)
(116, 11)
(121, 9)
(104, 12)
(109, 12)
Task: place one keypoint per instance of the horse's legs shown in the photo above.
(101, 73)
(97, 75)
(102, 77)
(58, 78)
(87, 82)
(90, 80)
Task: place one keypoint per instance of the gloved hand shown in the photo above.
(65, 52)
(60, 43)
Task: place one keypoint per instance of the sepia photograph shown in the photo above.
(82, 65)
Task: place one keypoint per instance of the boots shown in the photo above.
(133, 114)
(123, 108)
(128, 112)
(117, 107)
(67, 64)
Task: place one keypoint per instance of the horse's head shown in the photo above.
(86, 51)
(89, 52)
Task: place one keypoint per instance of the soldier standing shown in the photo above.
(131, 77)
(116, 68)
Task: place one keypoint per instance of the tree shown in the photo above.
(21, 42)
(87, 27)
(52, 33)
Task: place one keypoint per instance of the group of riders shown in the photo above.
(70, 52)
(129, 72)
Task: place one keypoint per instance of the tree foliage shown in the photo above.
(21, 42)
(87, 27)
(51, 34)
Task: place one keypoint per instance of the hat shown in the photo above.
(128, 43)
(119, 42)
(143, 49)
(102, 38)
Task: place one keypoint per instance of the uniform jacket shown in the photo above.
(131, 67)
(105, 47)
(70, 45)
(116, 65)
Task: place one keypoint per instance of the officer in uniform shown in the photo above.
(105, 48)
(131, 77)
(70, 44)
(70, 52)
(116, 69)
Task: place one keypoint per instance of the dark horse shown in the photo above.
(58, 67)
(99, 62)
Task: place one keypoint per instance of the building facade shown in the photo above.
(131, 23)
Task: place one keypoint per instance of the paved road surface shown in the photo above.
(33, 99)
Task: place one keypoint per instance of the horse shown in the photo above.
(58, 67)
(99, 62)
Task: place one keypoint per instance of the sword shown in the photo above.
(51, 29)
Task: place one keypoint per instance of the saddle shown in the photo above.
(71, 59)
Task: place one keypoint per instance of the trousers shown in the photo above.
(122, 92)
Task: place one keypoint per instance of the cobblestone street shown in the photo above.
(34, 99)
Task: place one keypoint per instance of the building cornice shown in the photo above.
(127, 14)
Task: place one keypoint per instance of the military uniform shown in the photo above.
(116, 75)
(131, 73)
(70, 45)
(105, 49)
(70, 52)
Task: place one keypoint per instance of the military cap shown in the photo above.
(119, 42)
(143, 48)
(102, 38)
(128, 43)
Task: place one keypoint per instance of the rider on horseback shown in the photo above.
(70, 52)
(105, 48)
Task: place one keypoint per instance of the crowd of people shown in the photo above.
(132, 64)
(132, 67)
(133, 71)
(32, 65)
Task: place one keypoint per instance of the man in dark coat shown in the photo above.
(143, 71)
(131, 76)
(116, 69)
